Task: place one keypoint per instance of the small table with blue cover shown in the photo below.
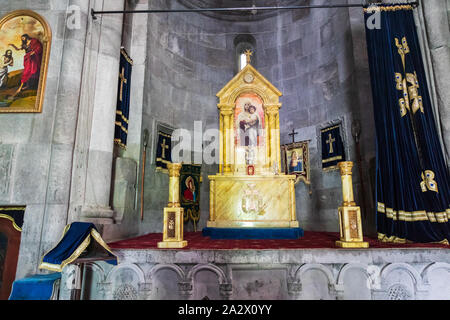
(37, 287)
(76, 247)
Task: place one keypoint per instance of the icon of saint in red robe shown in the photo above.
(189, 194)
(31, 62)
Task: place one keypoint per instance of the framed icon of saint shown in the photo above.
(25, 40)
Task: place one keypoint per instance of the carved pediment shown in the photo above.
(249, 80)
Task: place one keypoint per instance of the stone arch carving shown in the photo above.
(413, 273)
(95, 267)
(372, 272)
(225, 286)
(398, 290)
(438, 287)
(431, 267)
(130, 266)
(208, 266)
(314, 266)
(173, 267)
(126, 291)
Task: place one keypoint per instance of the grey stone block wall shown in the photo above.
(34, 161)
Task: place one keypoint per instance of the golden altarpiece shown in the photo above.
(250, 191)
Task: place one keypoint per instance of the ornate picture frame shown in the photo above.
(295, 158)
(23, 69)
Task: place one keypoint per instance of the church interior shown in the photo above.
(258, 150)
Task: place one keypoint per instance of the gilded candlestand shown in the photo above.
(349, 213)
(173, 213)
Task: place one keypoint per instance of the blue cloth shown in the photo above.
(36, 287)
(412, 180)
(163, 150)
(253, 233)
(76, 239)
(332, 146)
(123, 99)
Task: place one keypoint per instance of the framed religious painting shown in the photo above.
(25, 40)
(250, 148)
(190, 179)
(295, 158)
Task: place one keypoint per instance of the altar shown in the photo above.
(250, 191)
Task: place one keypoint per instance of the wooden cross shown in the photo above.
(248, 53)
(330, 142)
(164, 146)
(293, 133)
(122, 81)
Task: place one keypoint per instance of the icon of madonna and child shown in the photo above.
(249, 117)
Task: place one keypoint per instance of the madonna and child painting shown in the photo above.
(24, 52)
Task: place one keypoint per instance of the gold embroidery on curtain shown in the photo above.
(374, 8)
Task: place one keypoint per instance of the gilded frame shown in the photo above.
(304, 147)
(46, 47)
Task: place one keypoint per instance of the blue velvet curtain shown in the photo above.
(412, 179)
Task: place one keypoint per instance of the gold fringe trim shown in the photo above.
(164, 134)
(119, 143)
(330, 128)
(12, 208)
(15, 226)
(374, 8)
(332, 159)
(126, 56)
(441, 217)
(77, 252)
(393, 239)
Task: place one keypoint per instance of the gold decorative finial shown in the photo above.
(248, 53)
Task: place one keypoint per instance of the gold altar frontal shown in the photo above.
(252, 201)
(250, 191)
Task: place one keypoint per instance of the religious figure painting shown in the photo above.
(190, 179)
(249, 115)
(25, 39)
(296, 160)
(189, 193)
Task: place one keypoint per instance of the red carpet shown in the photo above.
(311, 240)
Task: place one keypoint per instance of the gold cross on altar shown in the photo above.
(248, 53)
(164, 146)
(330, 142)
(122, 81)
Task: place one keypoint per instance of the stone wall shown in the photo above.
(50, 159)
(34, 155)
